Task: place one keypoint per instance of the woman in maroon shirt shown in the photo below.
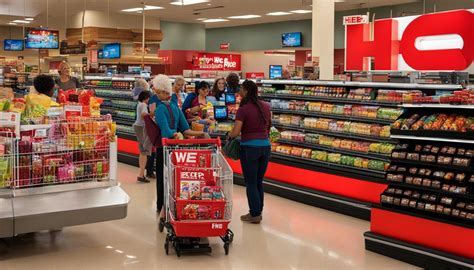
(252, 122)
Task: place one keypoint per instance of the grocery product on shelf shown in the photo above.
(397, 96)
(451, 122)
(361, 93)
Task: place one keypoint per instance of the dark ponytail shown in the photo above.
(252, 97)
(201, 85)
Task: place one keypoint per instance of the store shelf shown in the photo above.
(438, 106)
(126, 135)
(331, 100)
(433, 165)
(313, 197)
(335, 116)
(336, 150)
(409, 86)
(118, 108)
(422, 138)
(123, 122)
(418, 255)
(376, 176)
(432, 190)
(336, 134)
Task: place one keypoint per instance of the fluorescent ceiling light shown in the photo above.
(141, 9)
(245, 17)
(201, 19)
(301, 11)
(12, 23)
(279, 13)
(29, 19)
(187, 2)
(20, 21)
(215, 20)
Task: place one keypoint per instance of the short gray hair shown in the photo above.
(162, 83)
(142, 83)
(179, 78)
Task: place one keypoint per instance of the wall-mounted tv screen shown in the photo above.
(13, 45)
(292, 39)
(41, 39)
(276, 71)
(110, 51)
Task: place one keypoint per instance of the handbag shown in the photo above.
(153, 130)
(232, 149)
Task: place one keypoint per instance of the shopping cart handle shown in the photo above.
(166, 142)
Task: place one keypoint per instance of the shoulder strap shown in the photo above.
(171, 115)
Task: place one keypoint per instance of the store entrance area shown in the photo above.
(291, 236)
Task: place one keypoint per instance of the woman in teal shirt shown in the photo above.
(172, 122)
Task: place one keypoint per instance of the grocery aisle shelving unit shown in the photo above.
(427, 237)
(359, 187)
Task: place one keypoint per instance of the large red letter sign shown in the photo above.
(384, 48)
(457, 22)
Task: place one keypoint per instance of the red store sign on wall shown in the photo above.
(217, 61)
(438, 41)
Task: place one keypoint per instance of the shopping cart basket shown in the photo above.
(198, 195)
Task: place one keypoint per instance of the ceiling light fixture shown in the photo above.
(188, 2)
(245, 17)
(141, 9)
(215, 20)
(29, 19)
(201, 19)
(301, 11)
(12, 23)
(279, 13)
(20, 21)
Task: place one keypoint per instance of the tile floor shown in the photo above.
(292, 236)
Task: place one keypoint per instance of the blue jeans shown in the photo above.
(254, 162)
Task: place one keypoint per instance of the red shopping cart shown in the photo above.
(198, 195)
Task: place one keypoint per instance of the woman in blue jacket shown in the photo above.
(172, 123)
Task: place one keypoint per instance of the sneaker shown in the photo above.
(143, 180)
(248, 218)
(152, 176)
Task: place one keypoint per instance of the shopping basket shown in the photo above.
(198, 194)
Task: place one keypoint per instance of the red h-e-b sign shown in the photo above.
(438, 41)
(356, 19)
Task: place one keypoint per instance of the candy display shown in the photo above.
(435, 154)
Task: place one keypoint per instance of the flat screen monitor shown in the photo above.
(220, 113)
(276, 71)
(13, 45)
(111, 51)
(41, 39)
(230, 99)
(292, 39)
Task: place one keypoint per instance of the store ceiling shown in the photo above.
(17, 9)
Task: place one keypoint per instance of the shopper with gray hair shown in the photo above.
(178, 89)
(172, 124)
(140, 86)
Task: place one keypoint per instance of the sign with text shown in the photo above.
(437, 41)
(217, 61)
(225, 46)
(255, 75)
(355, 19)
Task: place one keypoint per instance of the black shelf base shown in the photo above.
(316, 198)
(415, 254)
(127, 159)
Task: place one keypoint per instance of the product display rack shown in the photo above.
(67, 178)
(363, 185)
(118, 102)
(428, 220)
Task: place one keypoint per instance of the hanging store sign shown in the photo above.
(437, 41)
(225, 46)
(217, 61)
(355, 19)
(254, 75)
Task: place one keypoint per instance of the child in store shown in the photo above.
(144, 143)
(201, 109)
